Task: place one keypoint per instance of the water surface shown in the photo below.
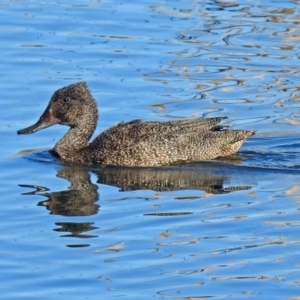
(224, 228)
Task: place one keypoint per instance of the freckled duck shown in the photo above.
(134, 143)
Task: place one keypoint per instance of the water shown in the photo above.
(227, 228)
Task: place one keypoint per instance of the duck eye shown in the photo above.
(66, 99)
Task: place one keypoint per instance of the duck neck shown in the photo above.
(77, 137)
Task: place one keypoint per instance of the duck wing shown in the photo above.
(128, 134)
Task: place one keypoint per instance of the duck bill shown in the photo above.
(47, 119)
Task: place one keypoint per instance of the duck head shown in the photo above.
(71, 105)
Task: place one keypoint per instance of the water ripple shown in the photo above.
(226, 228)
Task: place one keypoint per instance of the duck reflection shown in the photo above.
(81, 197)
(165, 179)
(78, 200)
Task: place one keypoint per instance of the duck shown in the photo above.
(136, 143)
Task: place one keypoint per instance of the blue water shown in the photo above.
(218, 229)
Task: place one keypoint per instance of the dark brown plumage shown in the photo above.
(134, 143)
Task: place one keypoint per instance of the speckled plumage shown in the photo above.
(134, 143)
